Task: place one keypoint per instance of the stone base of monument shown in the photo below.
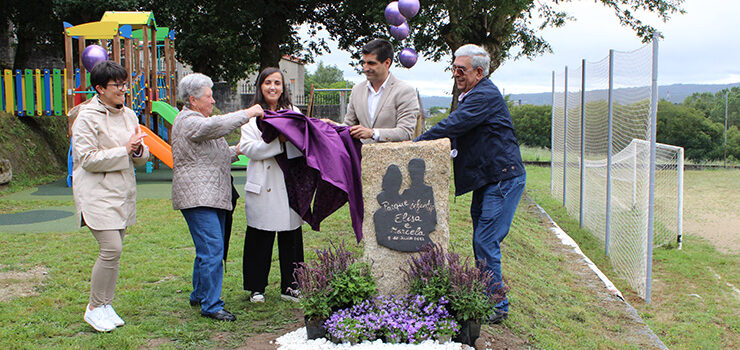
(406, 190)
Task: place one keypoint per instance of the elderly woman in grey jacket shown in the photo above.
(201, 184)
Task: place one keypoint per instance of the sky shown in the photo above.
(701, 46)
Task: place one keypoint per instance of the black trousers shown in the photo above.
(258, 257)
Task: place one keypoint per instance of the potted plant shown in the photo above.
(314, 287)
(435, 273)
(333, 281)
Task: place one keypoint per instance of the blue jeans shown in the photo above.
(207, 229)
(492, 211)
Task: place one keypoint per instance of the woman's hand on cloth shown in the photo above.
(255, 111)
(134, 142)
(328, 121)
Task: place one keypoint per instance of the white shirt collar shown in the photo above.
(370, 85)
(462, 95)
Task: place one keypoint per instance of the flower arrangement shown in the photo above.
(407, 319)
(335, 280)
(435, 273)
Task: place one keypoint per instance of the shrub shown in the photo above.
(352, 286)
(437, 274)
(334, 280)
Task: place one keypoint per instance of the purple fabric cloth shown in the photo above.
(328, 175)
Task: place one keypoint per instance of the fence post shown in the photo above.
(582, 164)
(609, 150)
(552, 134)
(651, 191)
(679, 218)
(565, 137)
(342, 105)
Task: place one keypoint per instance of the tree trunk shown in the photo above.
(273, 28)
(6, 57)
(24, 48)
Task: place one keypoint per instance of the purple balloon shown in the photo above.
(92, 55)
(408, 57)
(408, 8)
(400, 32)
(392, 15)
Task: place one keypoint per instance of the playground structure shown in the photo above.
(133, 40)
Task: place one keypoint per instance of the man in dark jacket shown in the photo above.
(486, 160)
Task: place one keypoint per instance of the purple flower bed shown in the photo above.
(404, 319)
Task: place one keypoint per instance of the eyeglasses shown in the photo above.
(120, 86)
(459, 70)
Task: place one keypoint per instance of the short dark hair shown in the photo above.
(106, 71)
(284, 99)
(379, 47)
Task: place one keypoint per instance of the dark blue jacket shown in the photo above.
(481, 131)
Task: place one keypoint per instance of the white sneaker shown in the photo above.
(113, 316)
(257, 297)
(98, 319)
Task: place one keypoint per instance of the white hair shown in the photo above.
(479, 57)
(193, 85)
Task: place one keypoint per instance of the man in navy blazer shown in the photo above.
(382, 108)
(486, 160)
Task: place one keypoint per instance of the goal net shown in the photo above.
(601, 160)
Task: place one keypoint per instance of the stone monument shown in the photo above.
(406, 190)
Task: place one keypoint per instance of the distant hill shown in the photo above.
(675, 93)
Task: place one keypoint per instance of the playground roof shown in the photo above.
(135, 19)
(162, 32)
(94, 30)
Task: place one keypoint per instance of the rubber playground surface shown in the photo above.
(62, 218)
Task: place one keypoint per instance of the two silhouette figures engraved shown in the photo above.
(404, 221)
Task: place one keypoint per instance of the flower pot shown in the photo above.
(315, 328)
(469, 332)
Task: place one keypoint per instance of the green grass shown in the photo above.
(534, 154)
(691, 308)
(551, 307)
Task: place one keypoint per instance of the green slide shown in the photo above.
(166, 111)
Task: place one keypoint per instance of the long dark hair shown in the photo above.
(284, 99)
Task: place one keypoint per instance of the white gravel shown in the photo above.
(297, 340)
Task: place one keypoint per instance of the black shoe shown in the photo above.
(497, 318)
(194, 303)
(221, 315)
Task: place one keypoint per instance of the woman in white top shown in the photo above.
(266, 199)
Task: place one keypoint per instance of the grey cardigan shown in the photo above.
(201, 176)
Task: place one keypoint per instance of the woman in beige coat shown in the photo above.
(107, 143)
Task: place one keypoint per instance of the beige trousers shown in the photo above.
(105, 270)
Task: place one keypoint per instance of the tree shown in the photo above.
(323, 77)
(37, 26)
(506, 29)
(713, 105)
(532, 124)
(228, 39)
(688, 127)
